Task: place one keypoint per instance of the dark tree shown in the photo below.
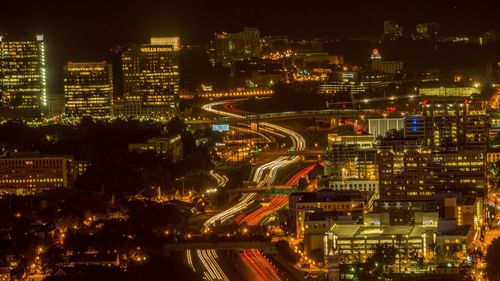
(161, 269)
(493, 260)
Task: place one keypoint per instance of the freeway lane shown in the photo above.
(264, 176)
(260, 265)
(276, 203)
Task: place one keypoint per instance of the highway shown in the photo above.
(259, 265)
(277, 202)
(221, 180)
(263, 175)
(213, 271)
(236, 115)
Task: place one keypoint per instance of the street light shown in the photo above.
(182, 180)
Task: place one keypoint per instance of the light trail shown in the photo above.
(213, 271)
(259, 265)
(244, 130)
(221, 180)
(189, 259)
(276, 203)
(263, 176)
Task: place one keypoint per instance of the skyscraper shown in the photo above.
(88, 89)
(444, 150)
(151, 78)
(230, 47)
(23, 92)
(449, 124)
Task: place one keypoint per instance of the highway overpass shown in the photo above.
(329, 113)
(173, 247)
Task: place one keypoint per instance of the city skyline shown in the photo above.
(250, 140)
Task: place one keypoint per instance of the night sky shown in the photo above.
(85, 30)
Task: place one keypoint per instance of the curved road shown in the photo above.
(264, 176)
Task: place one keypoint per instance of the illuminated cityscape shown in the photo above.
(250, 140)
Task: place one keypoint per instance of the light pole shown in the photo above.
(182, 180)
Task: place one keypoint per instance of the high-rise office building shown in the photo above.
(88, 89)
(175, 42)
(444, 150)
(352, 157)
(230, 47)
(392, 30)
(449, 124)
(23, 86)
(411, 171)
(151, 78)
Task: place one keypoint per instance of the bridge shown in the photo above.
(329, 113)
(275, 189)
(172, 247)
(285, 152)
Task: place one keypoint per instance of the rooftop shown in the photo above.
(361, 231)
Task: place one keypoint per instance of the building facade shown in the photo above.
(449, 91)
(449, 124)
(326, 200)
(392, 30)
(416, 172)
(384, 66)
(29, 173)
(379, 127)
(170, 146)
(23, 86)
(230, 47)
(428, 31)
(352, 157)
(151, 78)
(88, 89)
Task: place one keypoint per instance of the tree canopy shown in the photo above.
(493, 260)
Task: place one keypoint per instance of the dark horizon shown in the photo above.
(93, 21)
(86, 30)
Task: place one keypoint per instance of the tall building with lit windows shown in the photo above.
(449, 124)
(411, 171)
(151, 78)
(444, 150)
(88, 89)
(23, 86)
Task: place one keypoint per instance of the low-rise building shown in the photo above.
(170, 146)
(453, 240)
(360, 240)
(325, 200)
(449, 91)
(28, 173)
(492, 156)
(317, 223)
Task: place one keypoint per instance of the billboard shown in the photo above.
(220, 128)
